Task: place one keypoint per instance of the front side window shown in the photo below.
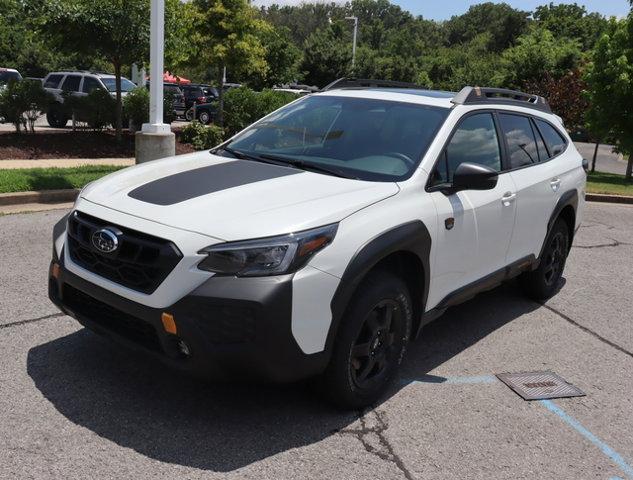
(520, 138)
(110, 84)
(474, 141)
(90, 85)
(71, 83)
(555, 142)
(53, 81)
(363, 138)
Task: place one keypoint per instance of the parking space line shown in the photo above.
(606, 449)
(32, 320)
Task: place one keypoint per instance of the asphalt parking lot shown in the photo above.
(75, 406)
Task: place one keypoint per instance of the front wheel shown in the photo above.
(56, 117)
(189, 115)
(371, 342)
(543, 282)
(204, 118)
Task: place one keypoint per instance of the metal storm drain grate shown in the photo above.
(539, 385)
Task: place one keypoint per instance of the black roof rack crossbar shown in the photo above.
(368, 83)
(485, 95)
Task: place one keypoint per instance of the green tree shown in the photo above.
(571, 21)
(501, 21)
(610, 87)
(226, 34)
(327, 55)
(282, 57)
(538, 53)
(117, 30)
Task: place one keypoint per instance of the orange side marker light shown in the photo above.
(169, 324)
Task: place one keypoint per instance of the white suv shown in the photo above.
(78, 84)
(320, 240)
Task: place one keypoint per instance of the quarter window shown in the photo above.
(520, 138)
(554, 140)
(474, 141)
(71, 84)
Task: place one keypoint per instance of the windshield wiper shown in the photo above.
(309, 166)
(246, 156)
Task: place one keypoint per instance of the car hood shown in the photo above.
(231, 199)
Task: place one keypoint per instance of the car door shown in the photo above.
(537, 178)
(474, 227)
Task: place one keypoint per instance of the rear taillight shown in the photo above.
(201, 100)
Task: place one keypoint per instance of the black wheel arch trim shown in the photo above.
(567, 199)
(412, 237)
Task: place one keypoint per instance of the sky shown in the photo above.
(442, 10)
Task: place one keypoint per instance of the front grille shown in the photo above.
(141, 262)
(110, 318)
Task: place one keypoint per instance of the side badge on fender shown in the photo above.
(449, 223)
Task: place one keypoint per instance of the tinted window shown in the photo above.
(52, 81)
(110, 84)
(521, 141)
(554, 140)
(7, 76)
(474, 141)
(365, 138)
(540, 144)
(90, 85)
(71, 83)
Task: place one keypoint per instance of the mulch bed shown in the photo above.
(68, 144)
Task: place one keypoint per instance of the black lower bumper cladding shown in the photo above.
(234, 328)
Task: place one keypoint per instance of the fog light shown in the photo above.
(183, 348)
(169, 324)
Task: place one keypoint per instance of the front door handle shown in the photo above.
(555, 183)
(508, 198)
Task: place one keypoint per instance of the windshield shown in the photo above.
(126, 85)
(367, 139)
(6, 76)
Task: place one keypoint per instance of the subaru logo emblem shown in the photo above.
(105, 240)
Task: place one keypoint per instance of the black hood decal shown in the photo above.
(202, 181)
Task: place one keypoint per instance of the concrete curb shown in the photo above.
(44, 196)
(599, 197)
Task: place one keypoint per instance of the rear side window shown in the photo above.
(71, 83)
(90, 85)
(554, 140)
(474, 141)
(520, 138)
(53, 81)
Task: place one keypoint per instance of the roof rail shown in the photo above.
(368, 83)
(485, 95)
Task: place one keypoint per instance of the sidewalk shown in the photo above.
(65, 162)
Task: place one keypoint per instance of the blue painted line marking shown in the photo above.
(606, 449)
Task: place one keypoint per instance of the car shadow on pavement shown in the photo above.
(128, 399)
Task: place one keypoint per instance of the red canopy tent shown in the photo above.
(168, 77)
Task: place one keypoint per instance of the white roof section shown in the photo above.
(420, 97)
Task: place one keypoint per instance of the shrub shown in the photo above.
(97, 109)
(136, 107)
(21, 103)
(201, 137)
(243, 106)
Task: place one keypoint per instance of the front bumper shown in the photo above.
(234, 328)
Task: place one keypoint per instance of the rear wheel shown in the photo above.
(543, 282)
(189, 115)
(204, 117)
(371, 342)
(55, 117)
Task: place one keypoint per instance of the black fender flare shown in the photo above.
(569, 198)
(412, 237)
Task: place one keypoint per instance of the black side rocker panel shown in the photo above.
(412, 237)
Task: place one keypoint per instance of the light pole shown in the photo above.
(156, 140)
(355, 19)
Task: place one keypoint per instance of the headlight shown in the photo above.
(267, 256)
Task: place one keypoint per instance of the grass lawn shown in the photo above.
(27, 179)
(610, 183)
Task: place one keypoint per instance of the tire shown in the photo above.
(370, 344)
(189, 115)
(204, 118)
(56, 118)
(543, 282)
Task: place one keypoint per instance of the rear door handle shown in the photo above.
(555, 184)
(508, 198)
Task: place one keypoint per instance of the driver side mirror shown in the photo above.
(473, 176)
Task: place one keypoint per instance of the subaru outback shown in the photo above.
(320, 240)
